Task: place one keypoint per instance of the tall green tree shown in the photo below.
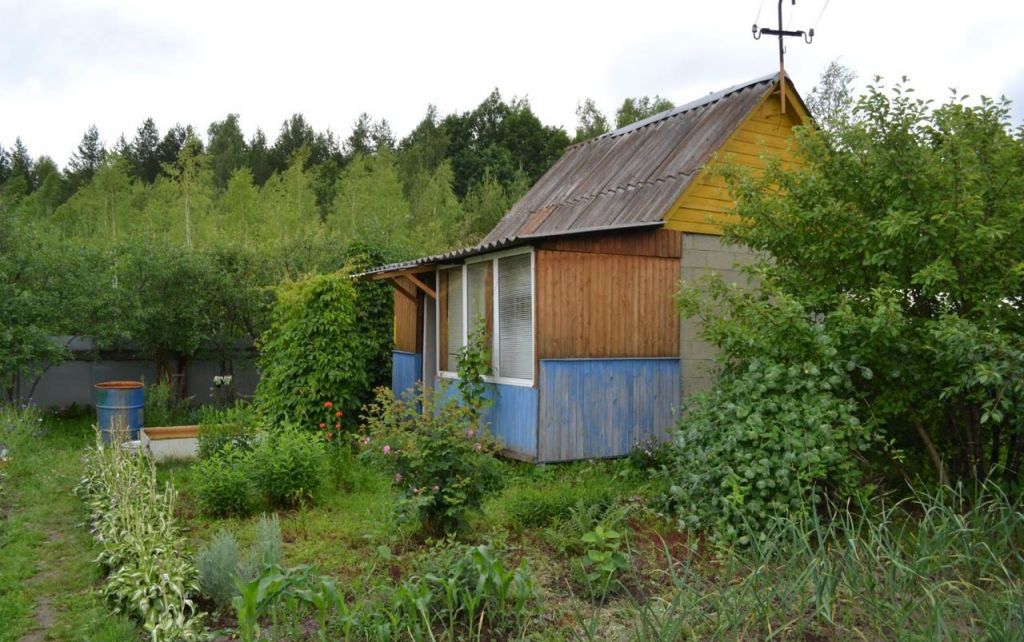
(371, 208)
(590, 122)
(899, 234)
(258, 159)
(423, 150)
(21, 176)
(144, 152)
(226, 148)
(635, 109)
(86, 159)
(501, 138)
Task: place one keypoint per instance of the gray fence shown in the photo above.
(72, 381)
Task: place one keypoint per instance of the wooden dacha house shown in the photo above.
(576, 282)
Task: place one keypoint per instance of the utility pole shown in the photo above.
(808, 36)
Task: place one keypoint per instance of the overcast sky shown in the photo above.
(67, 65)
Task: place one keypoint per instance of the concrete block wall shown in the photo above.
(704, 253)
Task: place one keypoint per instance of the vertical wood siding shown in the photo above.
(406, 370)
(603, 407)
(606, 305)
(706, 203)
(512, 417)
(406, 321)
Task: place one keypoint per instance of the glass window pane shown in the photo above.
(515, 317)
(454, 320)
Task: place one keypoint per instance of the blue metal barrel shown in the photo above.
(119, 407)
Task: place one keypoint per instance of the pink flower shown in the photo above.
(387, 449)
(471, 433)
(398, 478)
(366, 441)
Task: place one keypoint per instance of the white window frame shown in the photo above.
(495, 353)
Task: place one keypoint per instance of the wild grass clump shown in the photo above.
(21, 428)
(943, 564)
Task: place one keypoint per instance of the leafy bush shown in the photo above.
(763, 443)
(142, 548)
(217, 563)
(162, 406)
(312, 351)
(220, 426)
(290, 466)
(224, 484)
(604, 560)
(441, 461)
(650, 455)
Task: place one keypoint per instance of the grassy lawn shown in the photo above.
(47, 574)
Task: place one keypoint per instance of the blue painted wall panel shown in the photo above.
(406, 370)
(603, 407)
(512, 417)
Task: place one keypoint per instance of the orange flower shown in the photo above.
(328, 404)
(322, 425)
(337, 425)
(337, 414)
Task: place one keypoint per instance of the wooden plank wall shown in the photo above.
(512, 416)
(706, 203)
(406, 370)
(604, 407)
(608, 297)
(406, 321)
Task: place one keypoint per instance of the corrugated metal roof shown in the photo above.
(631, 175)
(627, 178)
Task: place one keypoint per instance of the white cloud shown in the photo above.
(64, 66)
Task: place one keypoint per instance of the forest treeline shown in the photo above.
(445, 183)
(170, 241)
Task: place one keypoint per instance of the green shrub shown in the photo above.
(442, 463)
(220, 426)
(290, 466)
(217, 563)
(162, 407)
(764, 443)
(312, 351)
(652, 454)
(224, 484)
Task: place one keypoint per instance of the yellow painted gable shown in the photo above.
(705, 204)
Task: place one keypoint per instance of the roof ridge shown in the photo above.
(681, 109)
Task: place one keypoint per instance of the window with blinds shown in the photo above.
(454, 320)
(515, 318)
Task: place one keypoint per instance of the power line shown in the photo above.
(820, 14)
